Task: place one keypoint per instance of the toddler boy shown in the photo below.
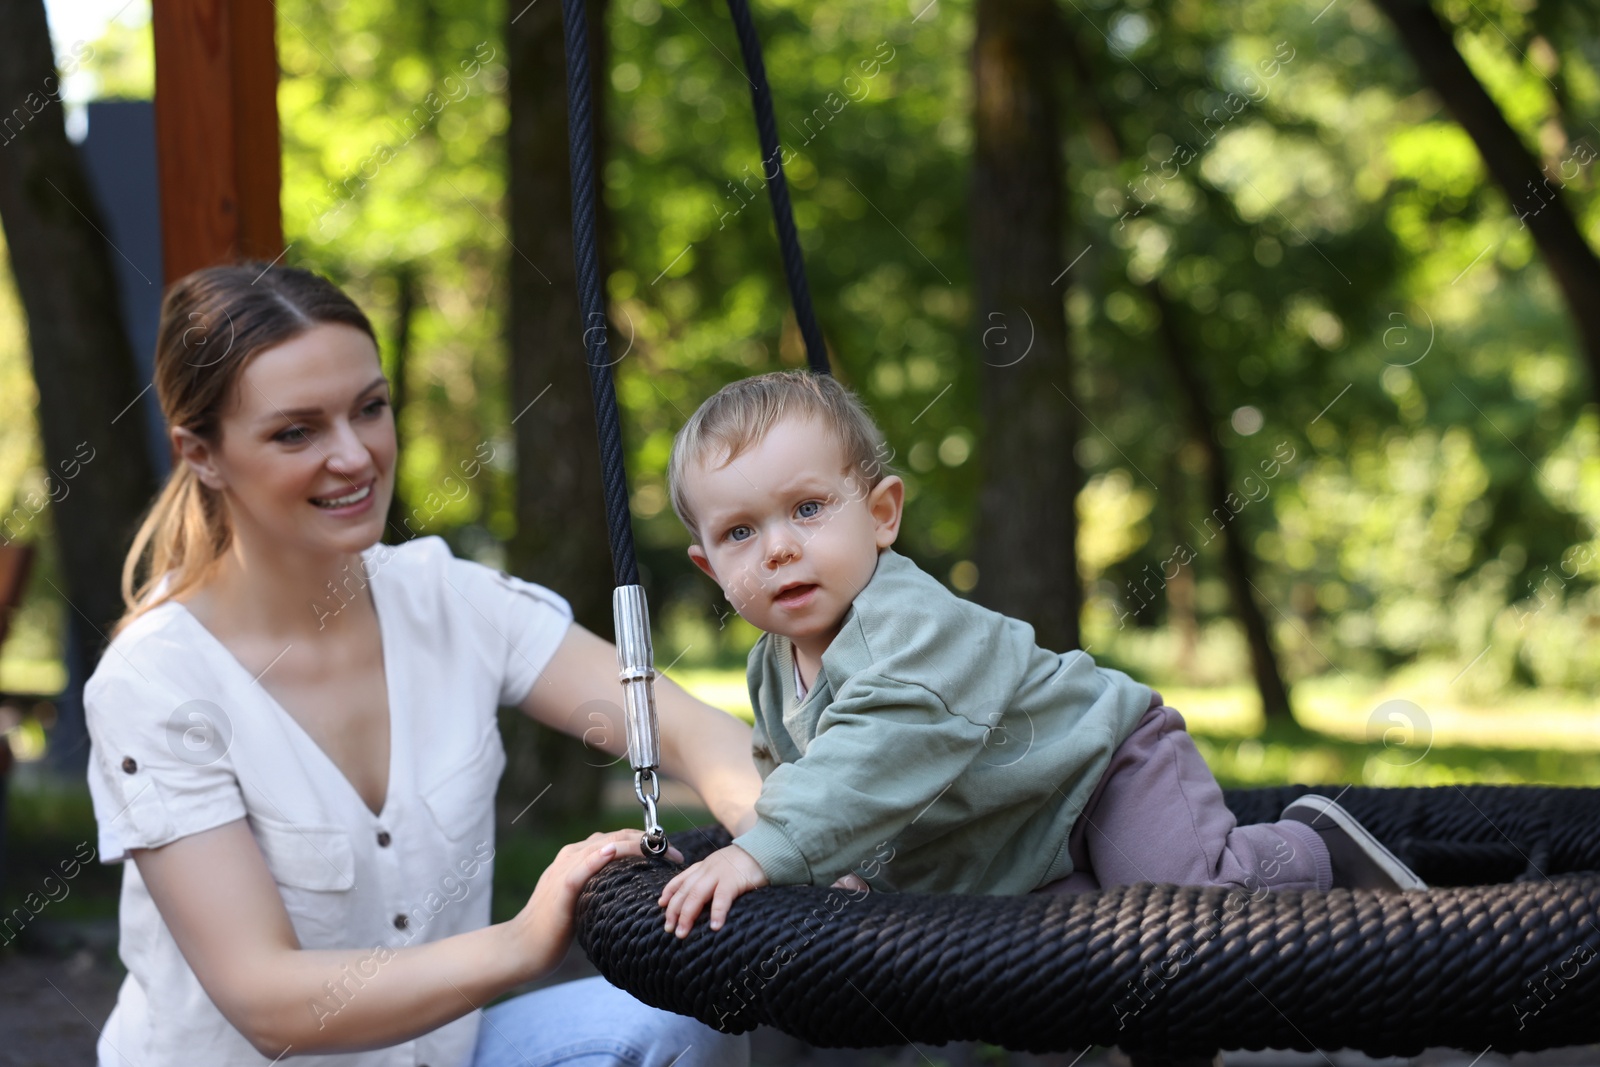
(895, 719)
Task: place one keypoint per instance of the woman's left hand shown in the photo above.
(542, 930)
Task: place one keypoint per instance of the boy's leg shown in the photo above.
(1158, 815)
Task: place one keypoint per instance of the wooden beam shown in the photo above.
(217, 144)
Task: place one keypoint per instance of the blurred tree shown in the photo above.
(1027, 520)
(561, 530)
(1238, 562)
(1221, 293)
(1412, 450)
(1536, 202)
(873, 116)
(393, 177)
(1185, 367)
(99, 475)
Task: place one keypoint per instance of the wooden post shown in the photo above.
(217, 144)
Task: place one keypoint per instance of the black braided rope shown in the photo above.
(794, 264)
(1160, 970)
(1463, 835)
(586, 253)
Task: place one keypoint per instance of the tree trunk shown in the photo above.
(561, 533)
(1238, 564)
(1535, 195)
(408, 295)
(1027, 524)
(100, 478)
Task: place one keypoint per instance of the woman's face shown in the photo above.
(305, 454)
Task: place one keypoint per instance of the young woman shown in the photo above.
(294, 734)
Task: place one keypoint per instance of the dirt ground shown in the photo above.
(52, 1005)
(51, 1009)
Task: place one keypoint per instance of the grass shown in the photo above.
(1288, 752)
(1349, 730)
(49, 828)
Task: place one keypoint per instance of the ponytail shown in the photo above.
(179, 542)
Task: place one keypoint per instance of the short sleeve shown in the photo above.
(520, 623)
(159, 761)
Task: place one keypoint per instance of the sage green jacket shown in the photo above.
(938, 750)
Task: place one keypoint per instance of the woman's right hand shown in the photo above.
(543, 928)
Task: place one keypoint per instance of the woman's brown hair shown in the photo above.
(213, 322)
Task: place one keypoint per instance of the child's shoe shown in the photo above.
(1359, 860)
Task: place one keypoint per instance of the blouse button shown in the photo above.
(401, 922)
(129, 764)
(383, 839)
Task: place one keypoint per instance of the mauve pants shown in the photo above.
(1157, 815)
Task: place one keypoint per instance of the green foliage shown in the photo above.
(392, 120)
(1356, 292)
(871, 109)
(21, 454)
(1350, 274)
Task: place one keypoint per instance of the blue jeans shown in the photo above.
(592, 1023)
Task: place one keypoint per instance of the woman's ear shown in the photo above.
(885, 504)
(196, 452)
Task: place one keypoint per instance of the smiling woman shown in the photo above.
(287, 338)
(307, 795)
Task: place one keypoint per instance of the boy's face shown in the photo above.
(790, 533)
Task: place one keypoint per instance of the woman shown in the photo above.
(294, 734)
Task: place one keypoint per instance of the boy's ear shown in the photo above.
(885, 504)
(702, 561)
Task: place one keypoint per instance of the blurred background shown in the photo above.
(1253, 348)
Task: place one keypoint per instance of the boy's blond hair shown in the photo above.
(740, 415)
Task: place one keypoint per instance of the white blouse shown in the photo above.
(184, 739)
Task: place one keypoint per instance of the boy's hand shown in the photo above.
(720, 878)
(852, 883)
